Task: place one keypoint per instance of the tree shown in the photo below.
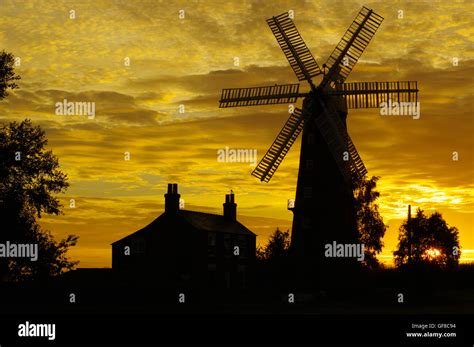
(370, 223)
(427, 240)
(29, 178)
(7, 74)
(277, 247)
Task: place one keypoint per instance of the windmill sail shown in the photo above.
(352, 45)
(339, 143)
(329, 93)
(269, 95)
(299, 56)
(282, 144)
(372, 94)
(357, 167)
(335, 139)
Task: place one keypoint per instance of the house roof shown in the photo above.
(214, 222)
(199, 220)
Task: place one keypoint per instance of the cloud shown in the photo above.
(188, 62)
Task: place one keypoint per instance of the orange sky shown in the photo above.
(187, 62)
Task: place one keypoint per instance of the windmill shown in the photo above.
(329, 162)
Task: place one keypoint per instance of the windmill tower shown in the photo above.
(329, 162)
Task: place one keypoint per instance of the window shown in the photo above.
(211, 239)
(306, 222)
(227, 245)
(138, 246)
(211, 244)
(243, 246)
(241, 272)
(211, 274)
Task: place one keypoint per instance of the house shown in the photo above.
(188, 248)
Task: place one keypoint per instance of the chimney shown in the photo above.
(230, 207)
(172, 198)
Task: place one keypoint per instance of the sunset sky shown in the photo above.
(188, 61)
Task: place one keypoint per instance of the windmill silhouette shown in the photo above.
(329, 162)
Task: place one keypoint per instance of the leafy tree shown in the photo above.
(29, 178)
(277, 247)
(427, 240)
(369, 221)
(7, 74)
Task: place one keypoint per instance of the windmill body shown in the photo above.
(329, 162)
(324, 207)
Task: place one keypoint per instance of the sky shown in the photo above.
(140, 62)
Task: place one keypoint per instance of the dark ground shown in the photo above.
(362, 310)
(97, 290)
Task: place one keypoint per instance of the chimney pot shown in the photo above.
(230, 207)
(172, 198)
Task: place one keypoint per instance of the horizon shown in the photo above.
(156, 83)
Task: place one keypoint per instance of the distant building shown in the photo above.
(188, 248)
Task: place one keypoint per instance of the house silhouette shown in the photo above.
(188, 248)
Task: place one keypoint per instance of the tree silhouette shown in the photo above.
(29, 176)
(7, 74)
(369, 221)
(427, 240)
(277, 247)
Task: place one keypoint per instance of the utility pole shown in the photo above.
(409, 234)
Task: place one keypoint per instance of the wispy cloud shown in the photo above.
(187, 62)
